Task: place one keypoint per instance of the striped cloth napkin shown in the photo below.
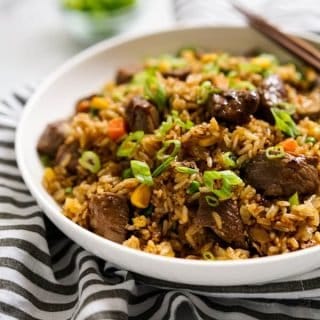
(44, 275)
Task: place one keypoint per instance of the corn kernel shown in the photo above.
(262, 62)
(140, 197)
(49, 174)
(99, 103)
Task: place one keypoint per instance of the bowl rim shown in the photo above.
(30, 182)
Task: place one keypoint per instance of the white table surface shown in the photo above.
(34, 40)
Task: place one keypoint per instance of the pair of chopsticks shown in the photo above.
(296, 46)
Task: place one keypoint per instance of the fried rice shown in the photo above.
(190, 92)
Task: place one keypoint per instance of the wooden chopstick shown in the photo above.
(298, 47)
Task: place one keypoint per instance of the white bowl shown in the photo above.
(86, 73)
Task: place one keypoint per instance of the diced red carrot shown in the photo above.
(116, 128)
(289, 145)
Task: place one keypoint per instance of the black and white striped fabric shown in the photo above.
(44, 275)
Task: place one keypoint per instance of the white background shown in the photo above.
(34, 41)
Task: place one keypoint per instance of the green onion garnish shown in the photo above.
(139, 78)
(90, 161)
(247, 67)
(127, 173)
(311, 140)
(186, 170)
(232, 74)
(183, 124)
(207, 255)
(212, 201)
(94, 112)
(226, 179)
(204, 91)
(165, 126)
(45, 160)
(276, 152)
(162, 167)
(294, 199)
(68, 190)
(161, 154)
(211, 68)
(241, 85)
(147, 211)
(173, 61)
(155, 90)
(171, 120)
(193, 187)
(141, 171)
(129, 144)
(228, 159)
(284, 122)
(289, 107)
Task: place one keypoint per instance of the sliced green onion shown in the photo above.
(165, 127)
(294, 200)
(276, 152)
(94, 112)
(226, 178)
(162, 167)
(204, 91)
(311, 140)
(171, 120)
(141, 171)
(147, 211)
(232, 74)
(207, 255)
(228, 159)
(289, 107)
(240, 85)
(155, 90)
(284, 122)
(212, 201)
(129, 144)
(193, 187)
(186, 170)
(183, 124)
(173, 61)
(127, 173)
(139, 78)
(211, 67)
(247, 67)
(90, 161)
(222, 59)
(118, 96)
(45, 160)
(68, 190)
(161, 154)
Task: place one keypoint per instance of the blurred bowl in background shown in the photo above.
(89, 26)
